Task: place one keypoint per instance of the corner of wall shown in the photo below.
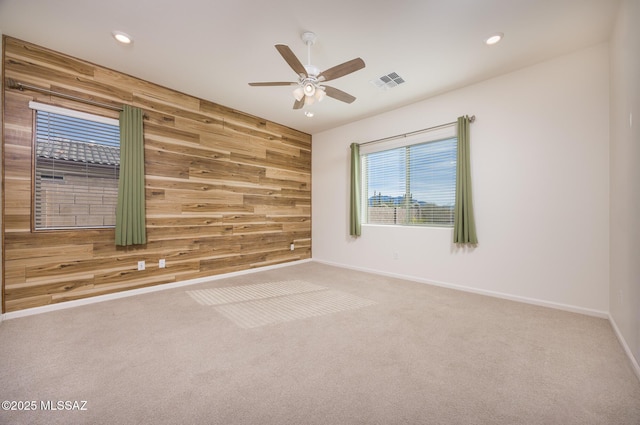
(624, 197)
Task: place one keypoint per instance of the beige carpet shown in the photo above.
(314, 344)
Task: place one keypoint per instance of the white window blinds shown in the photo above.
(77, 159)
(410, 182)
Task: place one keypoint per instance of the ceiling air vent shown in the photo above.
(388, 81)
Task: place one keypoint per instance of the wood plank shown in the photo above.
(261, 228)
(220, 209)
(185, 232)
(19, 222)
(165, 164)
(63, 251)
(170, 133)
(178, 147)
(53, 239)
(164, 222)
(230, 142)
(156, 95)
(16, 292)
(28, 302)
(215, 197)
(61, 81)
(226, 171)
(16, 110)
(45, 57)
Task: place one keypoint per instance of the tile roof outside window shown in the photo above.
(92, 153)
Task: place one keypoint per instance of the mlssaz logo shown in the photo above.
(63, 405)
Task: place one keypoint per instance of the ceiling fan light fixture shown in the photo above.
(298, 93)
(320, 94)
(309, 89)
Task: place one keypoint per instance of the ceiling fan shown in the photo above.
(310, 87)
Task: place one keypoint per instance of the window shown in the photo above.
(77, 160)
(410, 182)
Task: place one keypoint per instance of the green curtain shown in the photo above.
(130, 212)
(464, 227)
(354, 210)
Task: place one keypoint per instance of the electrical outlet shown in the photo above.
(162, 263)
(395, 255)
(292, 246)
(140, 265)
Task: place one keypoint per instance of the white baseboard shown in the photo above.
(526, 300)
(625, 347)
(133, 292)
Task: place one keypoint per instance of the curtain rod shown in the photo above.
(472, 118)
(21, 86)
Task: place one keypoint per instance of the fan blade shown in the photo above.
(292, 60)
(298, 104)
(338, 94)
(274, 83)
(341, 70)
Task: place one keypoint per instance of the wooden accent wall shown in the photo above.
(225, 191)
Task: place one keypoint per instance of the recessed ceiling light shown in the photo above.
(308, 113)
(494, 38)
(122, 37)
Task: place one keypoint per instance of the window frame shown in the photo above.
(43, 107)
(435, 134)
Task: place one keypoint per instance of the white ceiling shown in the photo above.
(212, 48)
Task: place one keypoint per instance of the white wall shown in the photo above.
(625, 175)
(540, 169)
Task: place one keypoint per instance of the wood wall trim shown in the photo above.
(225, 191)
